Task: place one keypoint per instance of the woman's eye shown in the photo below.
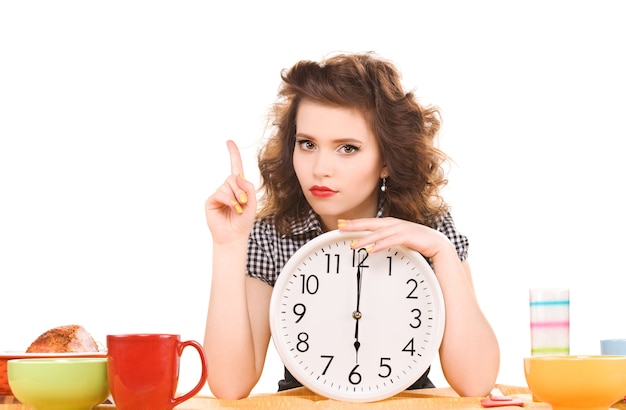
(305, 145)
(349, 149)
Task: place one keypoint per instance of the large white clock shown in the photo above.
(355, 326)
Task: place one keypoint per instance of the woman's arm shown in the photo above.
(237, 327)
(469, 352)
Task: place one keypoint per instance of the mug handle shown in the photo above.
(203, 378)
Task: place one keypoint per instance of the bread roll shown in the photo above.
(72, 338)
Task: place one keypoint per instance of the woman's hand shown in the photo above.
(469, 352)
(231, 210)
(389, 232)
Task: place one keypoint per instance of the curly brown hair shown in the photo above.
(405, 131)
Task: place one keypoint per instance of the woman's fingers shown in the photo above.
(233, 193)
(228, 195)
(240, 187)
(231, 209)
(236, 167)
(388, 232)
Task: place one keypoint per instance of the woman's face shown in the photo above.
(337, 162)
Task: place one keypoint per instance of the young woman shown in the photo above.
(349, 150)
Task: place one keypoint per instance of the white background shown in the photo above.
(114, 116)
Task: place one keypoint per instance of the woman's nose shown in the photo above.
(323, 164)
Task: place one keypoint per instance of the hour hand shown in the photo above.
(356, 315)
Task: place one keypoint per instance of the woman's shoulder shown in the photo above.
(308, 224)
(267, 222)
(264, 230)
(445, 224)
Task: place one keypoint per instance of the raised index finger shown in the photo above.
(236, 166)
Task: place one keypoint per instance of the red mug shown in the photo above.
(143, 370)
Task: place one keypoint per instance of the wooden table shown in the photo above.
(301, 398)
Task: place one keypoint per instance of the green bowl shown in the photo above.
(68, 384)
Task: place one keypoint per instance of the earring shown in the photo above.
(383, 187)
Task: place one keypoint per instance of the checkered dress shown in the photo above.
(268, 251)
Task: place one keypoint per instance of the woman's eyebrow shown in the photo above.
(347, 140)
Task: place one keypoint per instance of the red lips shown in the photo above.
(322, 191)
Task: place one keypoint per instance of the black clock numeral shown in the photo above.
(310, 284)
(330, 359)
(299, 310)
(355, 377)
(409, 347)
(390, 260)
(385, 366)
(358, 258)
(329, 263)
(302, 345)
(411, 295)
(418, 318)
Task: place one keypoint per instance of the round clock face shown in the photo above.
(354, 326)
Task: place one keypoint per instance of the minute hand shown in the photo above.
(357, 313)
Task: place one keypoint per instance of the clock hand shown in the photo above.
(357, 344)
(357, 313)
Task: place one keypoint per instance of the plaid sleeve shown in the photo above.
(446, 226)
(260, 264)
